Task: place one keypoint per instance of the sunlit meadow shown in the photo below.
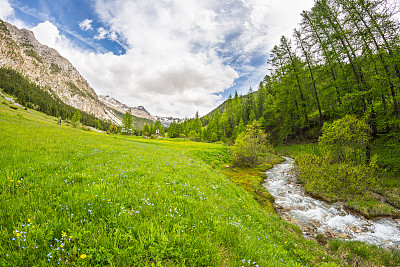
(70, 197)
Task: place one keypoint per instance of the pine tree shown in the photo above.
(127, 121)
(146, 130)
(77, 116)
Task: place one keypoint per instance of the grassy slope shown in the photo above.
(67, 194)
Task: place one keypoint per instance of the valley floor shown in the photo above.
(83, 198)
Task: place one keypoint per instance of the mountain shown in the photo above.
(166, 121)
(43, 65)
(138, 111)
(19, 50)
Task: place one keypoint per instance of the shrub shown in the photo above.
(322, 178)
(193, 136)
(77, 124)
(346, 139)
(250, 146)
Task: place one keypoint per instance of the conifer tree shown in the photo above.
(127, 121)
(146, 130)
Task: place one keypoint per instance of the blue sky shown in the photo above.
(174, 57)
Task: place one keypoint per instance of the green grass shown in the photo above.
(67, 193)
(87, 199)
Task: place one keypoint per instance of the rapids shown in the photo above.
(317, 217)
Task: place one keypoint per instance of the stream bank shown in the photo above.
(316, 217)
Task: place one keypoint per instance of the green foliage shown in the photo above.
(76, 119)
(250, 146)
(193, 136)
(158, 126)
(54, 68)
(346, 139)
(343, 60)
(321, 177)
(127, 121)
(77, 116)
(146, 130)
(33, 54)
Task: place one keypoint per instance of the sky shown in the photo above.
(174, 57)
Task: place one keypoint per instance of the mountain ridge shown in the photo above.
(21, 51)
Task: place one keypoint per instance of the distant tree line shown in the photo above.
(344, 58)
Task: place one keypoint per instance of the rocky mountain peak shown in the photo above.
(21, 51)
(138, 111)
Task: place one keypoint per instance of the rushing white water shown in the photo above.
(315, 216)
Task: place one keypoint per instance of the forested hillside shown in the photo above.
(45, 100)
(342, 59)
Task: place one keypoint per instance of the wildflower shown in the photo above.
(11, 181)
(70, 237)
(29, 220)
(83, 256)
(63, 234)
(18, 234)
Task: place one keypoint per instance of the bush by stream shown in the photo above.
(323, 178)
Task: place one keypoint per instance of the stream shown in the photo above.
(318, 217)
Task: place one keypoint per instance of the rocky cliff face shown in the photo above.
(43, 65)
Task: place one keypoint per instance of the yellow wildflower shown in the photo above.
(63, 234)
(29, 220)
(70, 237)
(18, 234)
(11, 181)
(83, 256)
(61, 246)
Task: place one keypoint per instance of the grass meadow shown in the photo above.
(77, 198)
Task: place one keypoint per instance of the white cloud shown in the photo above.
(101, 33)
(112, 36)
(47, 33)
(180, 55)
(5, 9)
(7, 14)
(86, 25)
